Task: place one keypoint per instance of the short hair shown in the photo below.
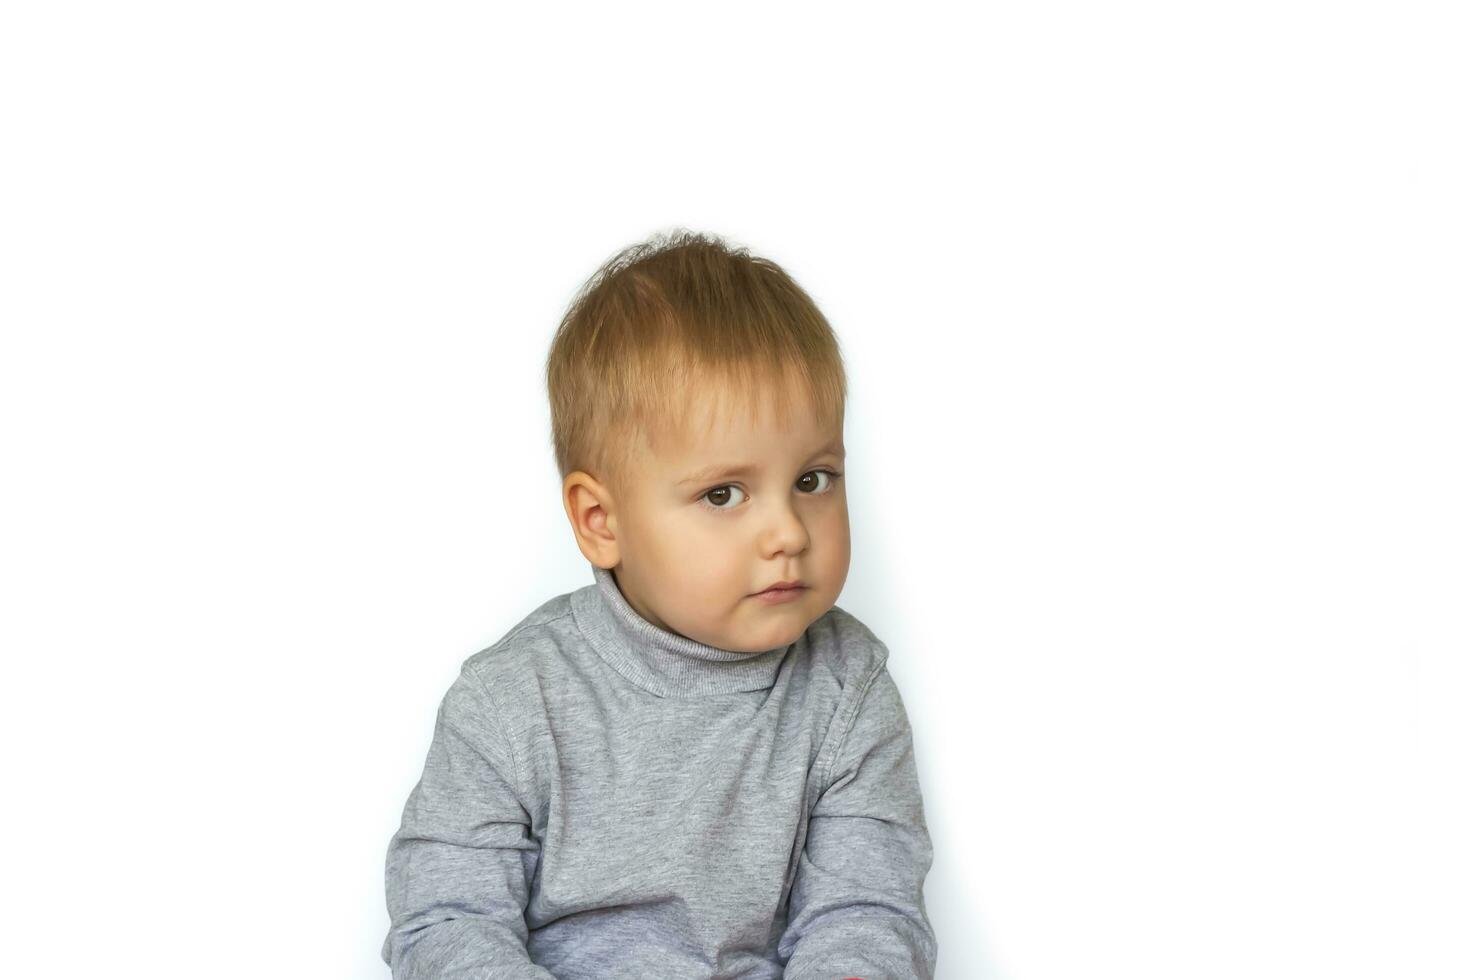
(680, 320)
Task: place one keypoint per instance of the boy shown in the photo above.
(698, 766)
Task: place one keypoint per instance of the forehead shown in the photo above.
(711, 432)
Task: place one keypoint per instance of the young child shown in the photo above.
(698, 766)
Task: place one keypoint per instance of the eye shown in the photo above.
(832, 475)
(716, 499)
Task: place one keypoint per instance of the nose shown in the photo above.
(784, 533)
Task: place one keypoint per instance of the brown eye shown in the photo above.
(718, 498)
(715, 499)
(830, 474)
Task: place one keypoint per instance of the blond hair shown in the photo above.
(671, 324)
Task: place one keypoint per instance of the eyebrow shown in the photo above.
(718, 472)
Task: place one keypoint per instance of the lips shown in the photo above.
(778, 597)
(782, 587)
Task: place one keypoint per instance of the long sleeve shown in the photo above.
(856, 907)
(458, 870)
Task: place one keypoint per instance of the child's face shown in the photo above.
(694, 547)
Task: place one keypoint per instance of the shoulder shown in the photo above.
(522, 638)
(510, 669)
(846, 647)
(867, 702)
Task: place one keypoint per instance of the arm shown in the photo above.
(458, 870)
(856, 908)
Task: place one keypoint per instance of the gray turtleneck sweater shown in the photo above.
(606, 799)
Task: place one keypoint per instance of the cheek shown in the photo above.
(831, 538)
(694, 548)
(832, 523)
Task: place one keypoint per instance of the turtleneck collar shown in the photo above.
(664, 663)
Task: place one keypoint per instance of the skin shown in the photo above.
(689, 556)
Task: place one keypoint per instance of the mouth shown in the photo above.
(783, 588)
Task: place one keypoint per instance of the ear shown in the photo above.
(592, 516)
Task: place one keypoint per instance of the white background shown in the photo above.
(1151, 317)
